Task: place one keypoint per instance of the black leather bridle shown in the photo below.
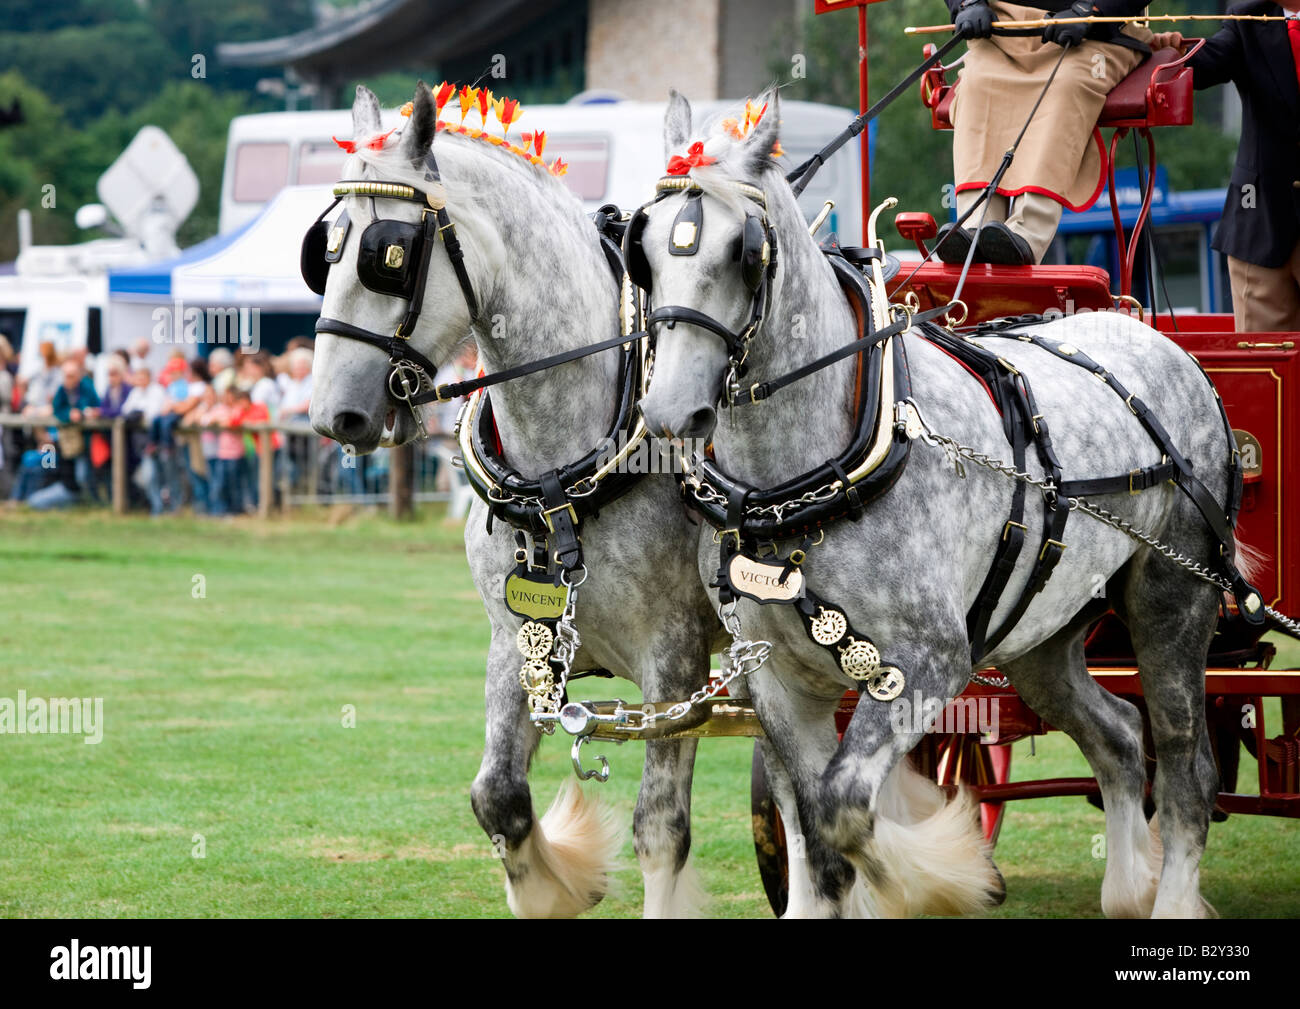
(756, 253)
(435, 224)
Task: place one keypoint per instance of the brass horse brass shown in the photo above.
(394, 256)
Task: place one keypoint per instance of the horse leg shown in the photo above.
(560, 865)
(661, 828)
(1171, 617)
(916, 852)
(800, 894)
(1053, 679)
(801, 739)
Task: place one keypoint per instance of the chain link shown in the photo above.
(956, 450)
(705, 494)
(545, 696)
(743, 657)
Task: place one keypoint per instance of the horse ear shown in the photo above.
(764, 136)
(365, 114)
(677, 123)
(417, 138)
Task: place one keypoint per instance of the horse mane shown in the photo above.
(392, 165)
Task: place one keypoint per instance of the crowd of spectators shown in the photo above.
(188, 441)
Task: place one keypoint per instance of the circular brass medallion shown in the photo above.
(860, 660)
(534, 640)
(885, 684)
(534, 676)
(828, 626)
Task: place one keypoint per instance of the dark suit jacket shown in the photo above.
(1261, 217)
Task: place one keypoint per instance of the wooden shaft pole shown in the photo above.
(265, 470)
(118, 449)
(1098, 20)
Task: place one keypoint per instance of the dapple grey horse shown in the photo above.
(908, 571)
(544, 286)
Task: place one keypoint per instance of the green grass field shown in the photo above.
(224, 735)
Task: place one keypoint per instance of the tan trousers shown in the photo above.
(1034, 217)
(1266, 299)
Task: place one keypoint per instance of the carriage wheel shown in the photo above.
(769, 837)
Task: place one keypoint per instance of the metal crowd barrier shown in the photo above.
(307, 470)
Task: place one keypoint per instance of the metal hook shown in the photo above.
(575, 754)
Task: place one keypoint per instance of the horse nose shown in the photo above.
(700, 424)
(349, 427)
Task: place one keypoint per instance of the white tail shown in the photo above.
(565, 864)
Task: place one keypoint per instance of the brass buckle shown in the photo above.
(1008, 365)
(721, 534)
(1129, 403)
(546, 515)
(1042, 552)
(1131, 489)
(1006, 529)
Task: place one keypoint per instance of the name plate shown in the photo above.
(536, 599)
(761, 580)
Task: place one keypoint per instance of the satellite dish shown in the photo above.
(150, 189)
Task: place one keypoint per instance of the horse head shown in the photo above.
(705, 250)
(395, 304)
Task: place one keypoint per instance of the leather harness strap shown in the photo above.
(1220, 519)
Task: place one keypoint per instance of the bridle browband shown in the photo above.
(411, 374)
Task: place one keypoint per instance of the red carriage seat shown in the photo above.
(1158, 92)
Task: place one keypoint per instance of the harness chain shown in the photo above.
(744, 657)
(955, 449)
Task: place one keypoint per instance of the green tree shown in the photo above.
(33, 155)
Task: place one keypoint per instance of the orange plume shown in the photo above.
(508, 111)
(468, 96)
(442, 96)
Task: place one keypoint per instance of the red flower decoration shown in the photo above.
(376, 144)
(695, 158)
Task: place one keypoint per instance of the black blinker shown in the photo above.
(638, 267)
(311, 259)
(388, 257)
(754, 252)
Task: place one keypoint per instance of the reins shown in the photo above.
(801, 175)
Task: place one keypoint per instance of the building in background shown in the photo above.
(552, 49)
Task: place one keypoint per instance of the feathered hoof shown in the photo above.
(565, 865)
(937, 865)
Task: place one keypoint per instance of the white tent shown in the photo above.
(259, 267)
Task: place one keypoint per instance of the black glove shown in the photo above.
(974, 20)
(1069, 35)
